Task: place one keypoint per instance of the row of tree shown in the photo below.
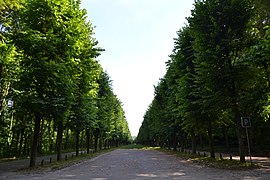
(54, 94)
(219, 71)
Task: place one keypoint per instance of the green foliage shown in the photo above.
(59, 90)
(217, 73)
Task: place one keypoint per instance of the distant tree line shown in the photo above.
(54, 95)
(218, 72)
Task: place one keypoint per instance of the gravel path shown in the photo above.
(141, 164)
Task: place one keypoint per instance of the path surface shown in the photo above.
(141, 164)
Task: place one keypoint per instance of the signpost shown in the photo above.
(246, 123)
(9, 103)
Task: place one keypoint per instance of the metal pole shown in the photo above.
(248, 146)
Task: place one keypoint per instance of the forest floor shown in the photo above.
(137, 164)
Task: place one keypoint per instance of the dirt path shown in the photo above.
(141, 164)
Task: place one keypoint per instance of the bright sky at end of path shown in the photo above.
(137, 36)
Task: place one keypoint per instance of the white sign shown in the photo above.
(9, 103)
(245, 121)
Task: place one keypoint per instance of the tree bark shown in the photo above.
(96, 142)
(59, 139)
(25, 143)
(81, 144)
(35, 141)
(67, 136)
(77, 141)
(239, 128)
(88, 140)
(21, 143)
(181, 143)
(210, 138)
(226, 137)
(50, 140)
(40, 137)
(194, 148)
(100, 142)
(175, 142)
(201, 140)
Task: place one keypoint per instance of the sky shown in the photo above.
(138, 36)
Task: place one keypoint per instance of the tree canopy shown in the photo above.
(49, 70)
(216, 74)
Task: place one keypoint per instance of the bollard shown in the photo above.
(50, 160)
(65, 157)
(230, 157)
(42, 162)
(220, 156)
(204, 155)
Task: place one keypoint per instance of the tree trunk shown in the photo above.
(96, 136)
(35, 141)
(88, 140)
(210, 138)
(25, 143)
(169, 144)
(50, 140)
(59, 139)
(175, 142)
(194, 148)
(201, 140)
(181, 143)
(100, 143)
(17, 142)
(105, 144)
(21, 143)
(226, 137)
(239, 128)
(77, 137)
(40, 137)
(81, 145)
(117, 142)
(96, 142)
(67, 136)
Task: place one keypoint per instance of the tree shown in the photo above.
(9, 57)
(49, 35)
(219, 28)
(49, 68)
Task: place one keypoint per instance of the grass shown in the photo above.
(138, 146)
(213, 162)
(55, 165)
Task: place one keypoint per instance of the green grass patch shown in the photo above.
(139, 146)
(133, 146)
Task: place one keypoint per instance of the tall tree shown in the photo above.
(9, 57)
(49, 35)
(219, 29)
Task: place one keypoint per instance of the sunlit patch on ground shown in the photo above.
(177, 174)
(147, 175)
(151, 148)
(8, 159)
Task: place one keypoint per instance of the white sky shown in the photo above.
(137, 36)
